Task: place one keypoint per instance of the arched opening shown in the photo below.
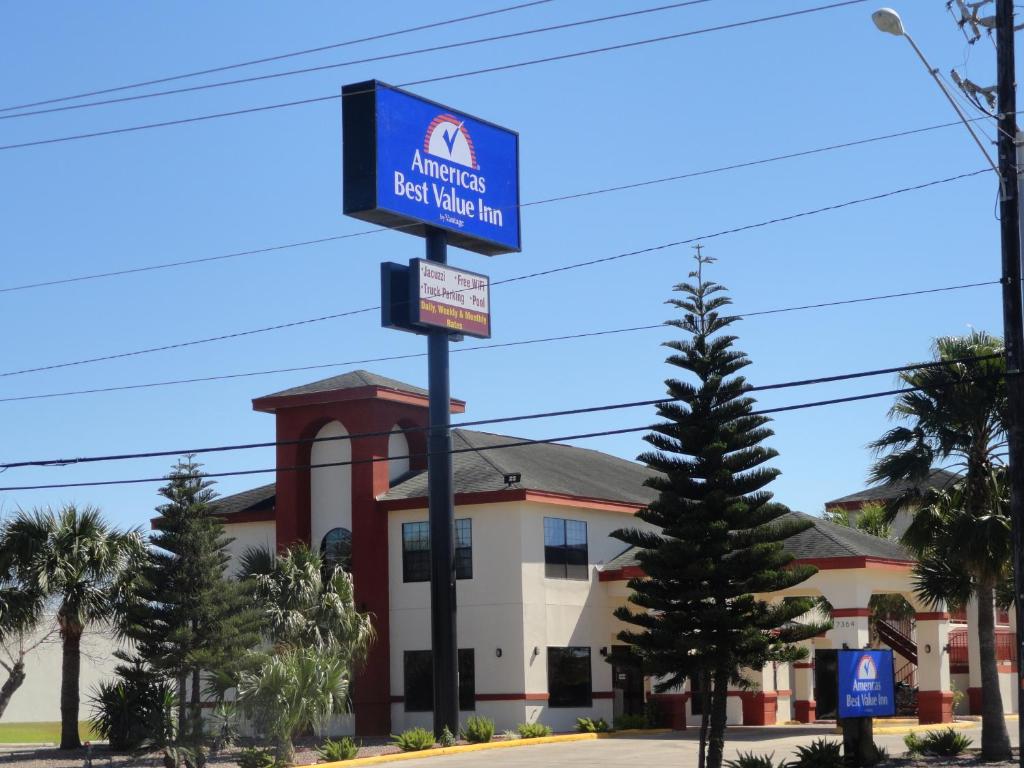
(336, 549)
(330, 482)
(398, 455)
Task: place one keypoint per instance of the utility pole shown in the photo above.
(1013, 317)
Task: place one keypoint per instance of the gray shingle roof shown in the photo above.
(240, 502)
(822, 540)
(938, 479)
(351, 380)
(549, 467)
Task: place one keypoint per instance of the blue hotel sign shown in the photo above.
(866, 683)
(410, 163)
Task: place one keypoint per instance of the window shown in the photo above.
(464, 549)
(416, 550)
(565, 549)
(569, 677)
(415, 554)
(336, 549)
(419, 681)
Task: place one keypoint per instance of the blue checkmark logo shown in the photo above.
(451, 136)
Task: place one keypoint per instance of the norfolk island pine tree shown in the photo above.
(719, 532)
(187, 618)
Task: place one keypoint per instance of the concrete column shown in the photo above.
(760, 705)
(973, 659)
(850, 627)
(934, 697)
(803, 686)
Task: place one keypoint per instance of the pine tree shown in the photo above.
(717, 533)
(188, 619)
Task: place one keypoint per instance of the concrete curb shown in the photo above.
(560, 739)
(901, 729)
(398, 756)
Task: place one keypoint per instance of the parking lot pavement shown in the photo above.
(676, 749)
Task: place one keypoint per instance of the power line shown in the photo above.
(519, 278)
(366, 310)
(499, 420)
(455, 451)
(437, 79)
(353, 62)
(572, 196)
(278, 57)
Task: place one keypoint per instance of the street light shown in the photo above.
(887, 20)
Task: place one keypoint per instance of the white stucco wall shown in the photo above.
(246, 535)
(38, 699)
(509, 604)
(330, 488)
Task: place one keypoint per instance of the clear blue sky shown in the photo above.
(275, 177)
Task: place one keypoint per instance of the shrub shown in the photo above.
(511, 735)
(253, 757)
(130, 712)
(225, 726)
(332, 751)
(821, 753)
(414, 740)
(882, 753)
(586, 725)
(478, 730)
(630, 722)
(750, 760)
(913, 744)
(944, 743)
(447, 737)
(532, 730)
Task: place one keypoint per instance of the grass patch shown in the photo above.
(39, 733)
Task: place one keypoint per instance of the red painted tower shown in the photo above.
(364, 404)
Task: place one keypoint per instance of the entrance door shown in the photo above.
(627, 686)
(826, 683)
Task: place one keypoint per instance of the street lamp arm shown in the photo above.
(963, 117)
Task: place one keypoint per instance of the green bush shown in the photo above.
(944, 743)
(821, 753)
(586, 725)
(332, 751)
(478, 730)
(414, 740)
(630, 722)
(447, 738)
(130, 712)
(913, 744)
(253, 757)
(511, 735)
(532, 730)
(750, 760)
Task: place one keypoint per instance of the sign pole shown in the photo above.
(441, 505)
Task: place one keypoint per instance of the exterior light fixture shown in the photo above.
(497, 652)
(604, 650)
(512, 478)
(887, 20)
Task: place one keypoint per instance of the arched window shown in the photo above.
(336, 548)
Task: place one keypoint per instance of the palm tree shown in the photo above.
(955, 418)
(317, 639)
(307, 603)
(79, 562)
